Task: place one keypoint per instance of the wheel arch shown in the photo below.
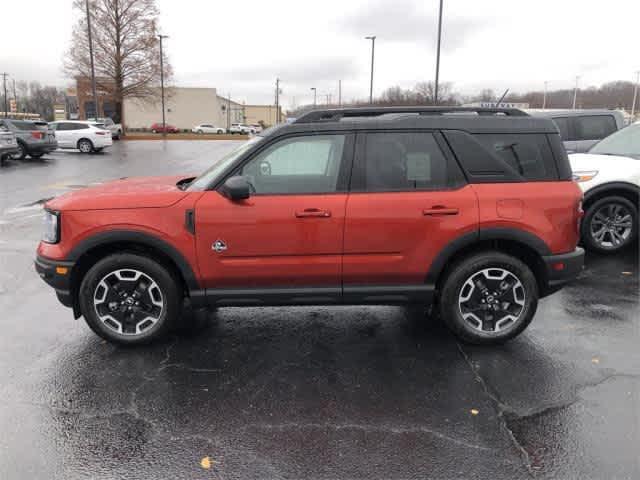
(98, 246)
(521, 244)
(626, 190)
(84, 138)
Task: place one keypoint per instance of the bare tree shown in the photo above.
(125, 44)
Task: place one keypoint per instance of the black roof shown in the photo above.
(473, 120)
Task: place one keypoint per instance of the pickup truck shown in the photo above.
(114, 128)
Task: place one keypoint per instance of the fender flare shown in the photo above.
(603, 187)
(140, 238)
(498, 233)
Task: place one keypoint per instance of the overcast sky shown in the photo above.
(242, 46)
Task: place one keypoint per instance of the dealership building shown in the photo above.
(185, 107)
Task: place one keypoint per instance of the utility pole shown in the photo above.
(315, 96)
(4, 83)
(277, 101)
(635, 96)
(164, 123)
(435, 93)
(575, 93)
(93, 69)
(228, 111)
(339, 93)
(544, 96)
(373, 49)
(15, 97)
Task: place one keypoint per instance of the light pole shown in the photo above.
(435, 92)
(544, 96)
(339, 93)
(635, 96)
(373, 50)
(315, 96)
(93, 69)
(4, 82)
(277, 101)
(575, 93)
(164, 124)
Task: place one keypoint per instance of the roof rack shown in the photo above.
(337, 114)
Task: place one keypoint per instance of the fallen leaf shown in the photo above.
(595, 360)
(207, 463)
(474, 411)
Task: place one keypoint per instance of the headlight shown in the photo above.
(584, 176)
(51, 227)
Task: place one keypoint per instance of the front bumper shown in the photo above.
(562, 269)
(6, 149)
(57, 274)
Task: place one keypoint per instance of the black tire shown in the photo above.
(166, 284)
(592, 221)
(36, 155)
(153, 131)
(469, 269)
(85, 145)
(22, 152)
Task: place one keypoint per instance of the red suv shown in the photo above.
(166, 128)
(472, 210)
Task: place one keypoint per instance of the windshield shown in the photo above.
(211, 173)
(625, 143)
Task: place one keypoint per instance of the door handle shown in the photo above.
(313, 212)
(439, 210)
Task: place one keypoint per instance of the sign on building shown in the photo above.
(13, 105)
(59, 112)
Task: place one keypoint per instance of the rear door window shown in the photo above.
(594, 127)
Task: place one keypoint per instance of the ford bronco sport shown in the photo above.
(473, 211)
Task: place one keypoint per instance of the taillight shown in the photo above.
(37, 135)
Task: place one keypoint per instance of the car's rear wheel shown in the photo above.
(36, 155)
(85, 145)
(22, 152)
(610, 225)
(130, 299)
(488, 298)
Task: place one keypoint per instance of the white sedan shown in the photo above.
(207, 128)
(610, 179)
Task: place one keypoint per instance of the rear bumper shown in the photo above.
(42, 147)
(562, 269)
(57, 274)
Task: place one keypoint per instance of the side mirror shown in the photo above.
(236, 188)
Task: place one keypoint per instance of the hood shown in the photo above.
(140, 192)
(592, 161)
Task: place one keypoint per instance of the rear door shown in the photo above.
(589, 129)
(63, 134)
(408, 200)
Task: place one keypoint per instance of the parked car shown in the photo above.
(159, 128)
(257, 128)
(207, 128)
(88, 137)
(581, 129)
(114, 128)
(241, 128)
(610, 178)
(8, 144)
(34, 138)
(476, 213)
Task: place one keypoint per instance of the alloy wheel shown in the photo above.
(492, 300)
(611, 226)
(128, 301)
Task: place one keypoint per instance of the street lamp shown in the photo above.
(635, 96)
(93, 70)
(315, 96)
(373, 49)
(544, 96)
(575, 92)
(435, 92)
(164, 124)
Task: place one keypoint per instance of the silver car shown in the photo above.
(581, 129)
(34, 138)
(8, 144)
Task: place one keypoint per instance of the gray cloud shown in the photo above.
(405, 21)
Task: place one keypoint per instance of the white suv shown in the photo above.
(610, 178)
(207, 128)
(241, 128)
(88, 137)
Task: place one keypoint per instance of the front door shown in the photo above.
(288, 234)
(408, 201)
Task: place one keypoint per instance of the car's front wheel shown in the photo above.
(488, 298)
(130, 299)
(22, 152)
(609, 225)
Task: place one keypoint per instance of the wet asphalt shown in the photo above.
(313, 392)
